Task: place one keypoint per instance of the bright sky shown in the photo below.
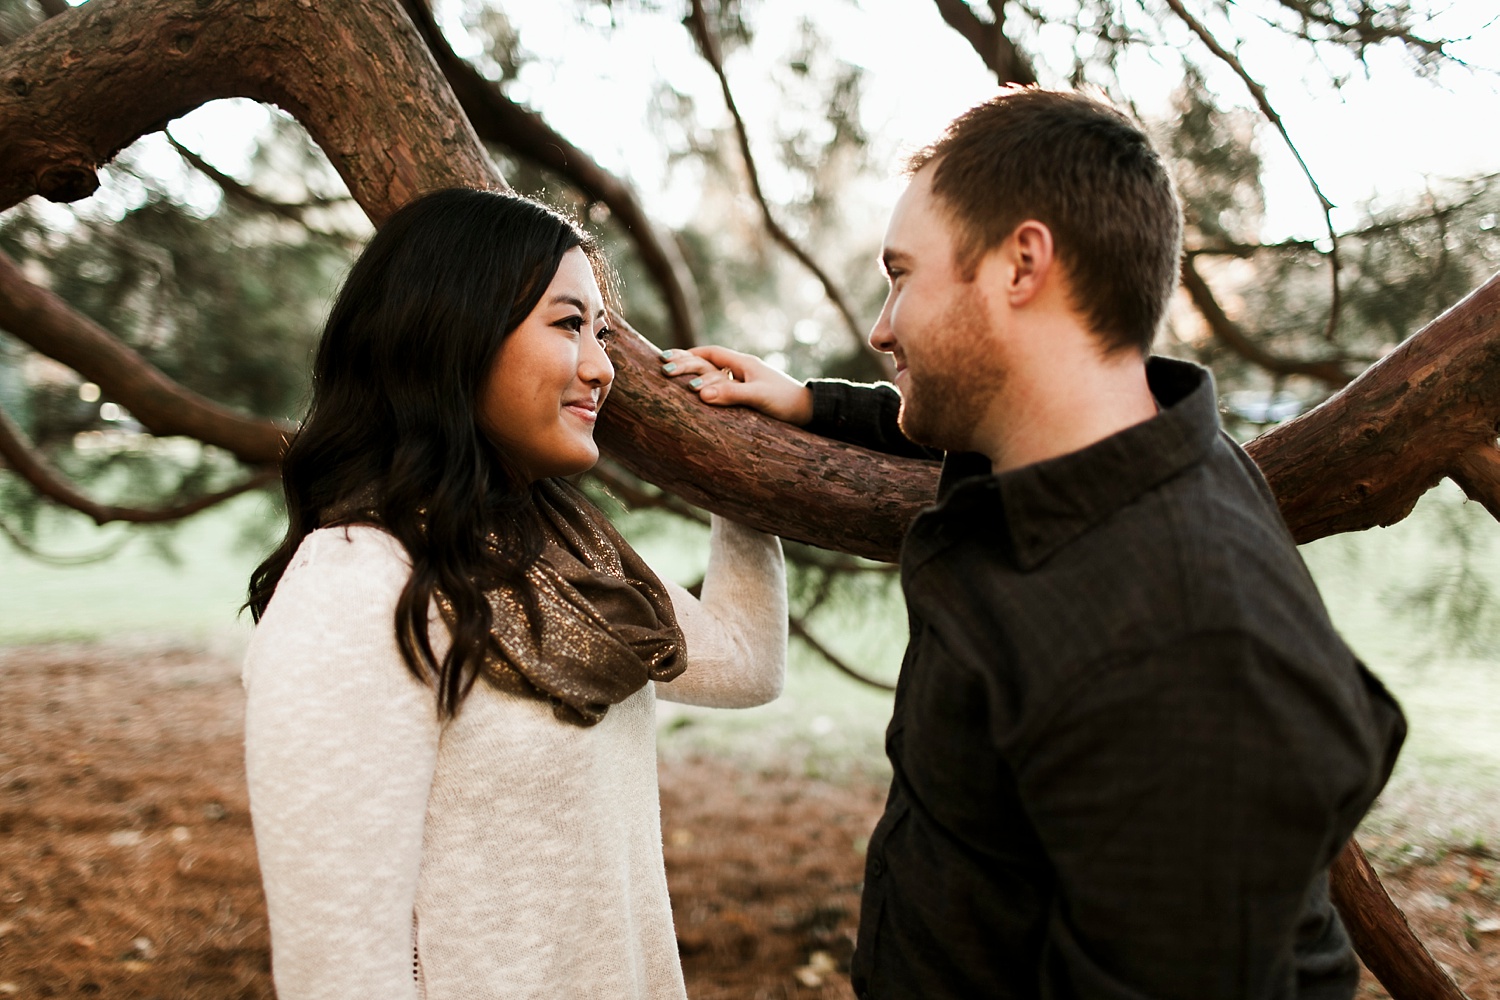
(1385, 137)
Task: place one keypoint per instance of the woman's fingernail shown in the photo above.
(695, 383)
(667, 353)
(669, 368)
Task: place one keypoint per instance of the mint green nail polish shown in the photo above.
(669, 368)
(695, 383)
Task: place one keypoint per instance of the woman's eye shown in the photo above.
(574, 323)
(605, 335)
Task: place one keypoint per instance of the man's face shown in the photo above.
(936, 325)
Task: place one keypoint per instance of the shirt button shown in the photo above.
(877, 867)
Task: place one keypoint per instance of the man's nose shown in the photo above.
(881, 337)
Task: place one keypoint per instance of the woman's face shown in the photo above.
(551, 376)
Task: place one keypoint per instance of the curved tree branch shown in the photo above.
(988, 39)
(1477, 472)
(47, 481)
(1365, 456)
(1258, 93)
(49, 325)
(708, 45)
(243, 193)
(1330, 372)
(798, 628)
(63, 116)
(500, 120)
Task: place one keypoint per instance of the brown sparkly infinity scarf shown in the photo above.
(603, 621)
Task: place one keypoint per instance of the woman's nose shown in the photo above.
(594, 366)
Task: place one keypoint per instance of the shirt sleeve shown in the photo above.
(340, 750)
(1190, 803)
(736, 634)
(864, 415)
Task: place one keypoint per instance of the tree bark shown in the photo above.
(759, 471)
(1381, 935)
(79, 88)
(1365, 456)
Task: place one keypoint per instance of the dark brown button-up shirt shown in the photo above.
(1127, 741)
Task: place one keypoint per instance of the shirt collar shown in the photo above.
(1049, 504)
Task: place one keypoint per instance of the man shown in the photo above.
(1127, 742)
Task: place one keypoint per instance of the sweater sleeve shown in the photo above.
(863, 414)
(737, 632)
(340, 749)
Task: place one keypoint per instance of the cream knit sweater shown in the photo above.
(500, 854)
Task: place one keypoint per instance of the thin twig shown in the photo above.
(30, 466)
(49, 559)
(1264, 103)
(800, 631)
(246, 195)
(708, 45)
(1363, 32)
(1329, 371)
(623, 485)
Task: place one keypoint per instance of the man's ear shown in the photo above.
(1030, 253)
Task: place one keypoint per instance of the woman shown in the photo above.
(450, 734)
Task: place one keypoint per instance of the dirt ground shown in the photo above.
(127, 867)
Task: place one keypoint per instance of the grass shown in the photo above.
(1416, 601)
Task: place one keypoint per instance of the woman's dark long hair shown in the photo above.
(391, 436)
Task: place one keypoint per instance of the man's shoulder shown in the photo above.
(1204, 553)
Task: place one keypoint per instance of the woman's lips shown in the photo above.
(583, 410)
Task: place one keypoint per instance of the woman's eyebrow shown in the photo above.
(568, 300)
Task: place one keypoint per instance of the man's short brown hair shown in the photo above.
(1085, 171)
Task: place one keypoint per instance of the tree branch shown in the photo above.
(1366, 455)
(357, 76)
(753, 469)
(1381, 935)
(1330, 372)
(30, 466)
(1258, 93)
(799, 629)
(1477, 472)
(988, 39)
(618, 481)
(48, 324)
(243, 193)
(49, 559)
(500, 120)
(1363, 31)
(708, 45)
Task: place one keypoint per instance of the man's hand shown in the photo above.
(722, 377)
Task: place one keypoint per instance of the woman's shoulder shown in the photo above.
(356, 568)
(351, 549)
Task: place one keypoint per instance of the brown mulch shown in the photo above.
(127, 867)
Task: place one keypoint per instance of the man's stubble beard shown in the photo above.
(953, 379)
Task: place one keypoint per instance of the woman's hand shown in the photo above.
(722, 377)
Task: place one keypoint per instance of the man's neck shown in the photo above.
(1062, 402)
